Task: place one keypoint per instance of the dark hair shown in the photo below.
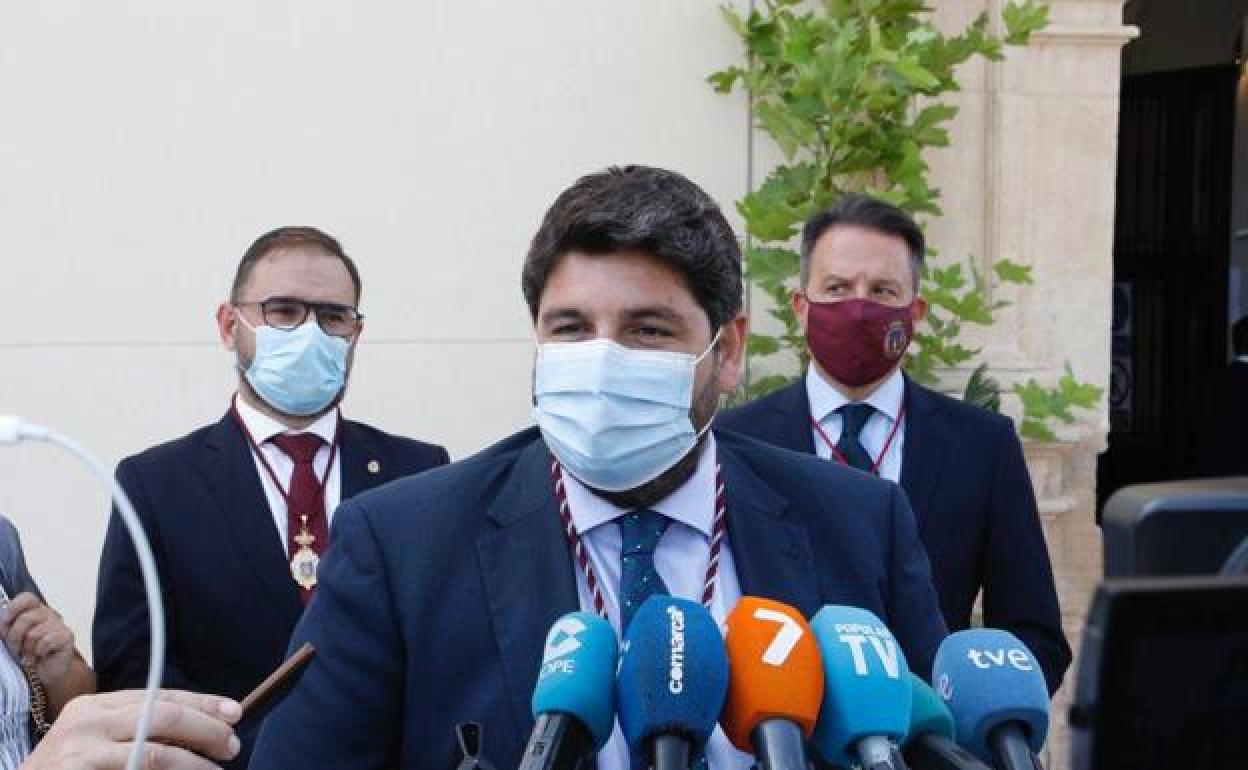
(290, 238)
(651, 210)
(871, 213)
(1239, 336)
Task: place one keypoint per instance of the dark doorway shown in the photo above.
(1172, 250)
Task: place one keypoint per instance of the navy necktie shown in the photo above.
(640, 532)
(853, 417)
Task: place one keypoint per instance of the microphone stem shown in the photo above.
(779, 745)
(559, 742)
(671, 752)
(875, 752)
(1010, 747)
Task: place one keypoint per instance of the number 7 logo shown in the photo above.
(786, 638)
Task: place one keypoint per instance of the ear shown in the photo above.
(800, 308)
(732, 341)
(227, 325)
(918, 309)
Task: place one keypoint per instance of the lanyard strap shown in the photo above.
(581, 554)
(329, 467)
(840, 457)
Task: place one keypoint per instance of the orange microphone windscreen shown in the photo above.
(774, 670)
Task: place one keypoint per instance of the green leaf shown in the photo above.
(1022, 19)
(723, 80)
(1012, 272)
(983, 391)
(770, 266)
(974, 309)
(768, 384)
(915, 74)
(1083, 395)
(734, 20)
(762, 345)
(1036, 430)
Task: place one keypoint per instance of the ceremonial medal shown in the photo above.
(304, 560)
(304, 563)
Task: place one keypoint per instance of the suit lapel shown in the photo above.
(527, 572)
(771, 549)
(924, 450)
(235, 487)
(793, 429)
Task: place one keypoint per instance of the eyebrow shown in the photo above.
(659, 312)
(556, 314)
(655, 311)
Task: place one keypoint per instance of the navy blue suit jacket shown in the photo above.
(230, 602)
(438, 592)
(963, 470)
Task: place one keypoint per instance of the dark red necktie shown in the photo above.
(306, 496)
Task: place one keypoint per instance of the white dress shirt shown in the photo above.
(262, 429)
(680, 559)
(887, 400)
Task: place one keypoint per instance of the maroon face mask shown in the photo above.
(858, 341)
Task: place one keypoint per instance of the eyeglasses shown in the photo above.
(287, 313)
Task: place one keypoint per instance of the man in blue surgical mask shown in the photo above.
(438, 594)
(239, 512)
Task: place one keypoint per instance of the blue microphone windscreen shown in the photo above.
(928, 713)
(987, 677)
(578, 673)
(673, 673)
(866, 682)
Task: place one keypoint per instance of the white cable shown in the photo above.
(13, 430)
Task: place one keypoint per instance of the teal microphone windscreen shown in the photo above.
(988, 678)
(928, 713)
(866, 691)
(578, 673)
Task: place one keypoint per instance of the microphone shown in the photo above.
(996, 692)
(672, 680)
(775, 683)
(866, 693)
(930, 742)
(573, 701)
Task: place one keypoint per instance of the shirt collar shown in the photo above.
(825, 399)
(263, 427)
(692, 504)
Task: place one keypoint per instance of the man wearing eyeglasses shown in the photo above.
(238, 512)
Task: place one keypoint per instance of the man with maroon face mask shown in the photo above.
(961, 466)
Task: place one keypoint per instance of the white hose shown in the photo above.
(14, 430)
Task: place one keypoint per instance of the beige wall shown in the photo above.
(1030, 177)
(144, 144)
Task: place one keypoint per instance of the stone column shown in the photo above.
(1031, 177)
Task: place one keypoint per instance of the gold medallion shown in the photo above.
(305, 561)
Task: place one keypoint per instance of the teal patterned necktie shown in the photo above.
(640, 532)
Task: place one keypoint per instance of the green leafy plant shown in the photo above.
(1041, 404)
(850, 91)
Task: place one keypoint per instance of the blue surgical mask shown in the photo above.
(615, 417)
(300, 371)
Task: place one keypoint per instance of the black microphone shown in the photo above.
(469, 737)
(573, 701)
